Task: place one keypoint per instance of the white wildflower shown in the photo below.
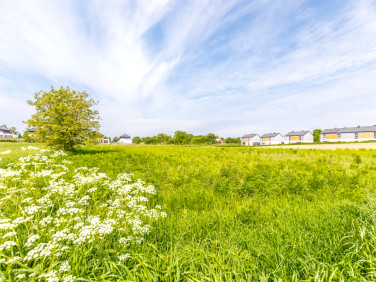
(31, 240)
(5, 152)
(7, 245)
(10, 234)
(123, 257)
(65, 267)
(69, 278)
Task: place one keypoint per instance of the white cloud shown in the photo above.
(214, 66)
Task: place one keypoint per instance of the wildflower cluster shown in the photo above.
(50, 213)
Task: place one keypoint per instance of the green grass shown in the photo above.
(240, 213)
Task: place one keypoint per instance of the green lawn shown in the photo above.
(240, 213)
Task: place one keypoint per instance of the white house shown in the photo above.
(299, 137)
(250, 140)
(349, 134)
(5, 133)
(125, 139)
(272, 138)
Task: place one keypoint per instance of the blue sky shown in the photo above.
(228, 67)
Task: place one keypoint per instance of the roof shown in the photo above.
(125, 136)
(4, 129)
(249, 135)
(332, 130)
(297, 133)
(268, 135)
(358, 129)
(33, 129)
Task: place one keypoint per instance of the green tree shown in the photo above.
(163, 138)
(230, 140)
(136, 140)
(182, 137)
(64, 118)
(116, 139)
(316, 135)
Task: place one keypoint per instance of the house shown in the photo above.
(272, 138)
(250, 140)
(5, 133)
(220, 141)
(125, 139)
(299, 137)
(349, 134)
(31, 130)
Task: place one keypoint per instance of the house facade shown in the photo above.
(5, 133)
(250, 140)
(272, 139)
(125, 139)
(349, 134)
(299, 137)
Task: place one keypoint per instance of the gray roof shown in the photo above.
(125, 136)
(297, 133)
(332, 130)
(249, 135)
(4, 129)
(358, 129)
(268, 135)
(33, 129)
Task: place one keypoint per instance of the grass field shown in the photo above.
(233, 213)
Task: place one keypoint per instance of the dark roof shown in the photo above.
(297, 133)
(33, 129)
(270, 135)
(358, 129)
(249, 135)
(332, 130)
(125, 136)
(4, 129)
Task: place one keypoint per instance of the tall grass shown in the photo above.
(245, 213)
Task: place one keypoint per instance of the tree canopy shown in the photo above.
(64, 118)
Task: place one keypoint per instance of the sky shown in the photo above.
(229, 67)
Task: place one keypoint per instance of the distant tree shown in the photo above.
(64, 118)
(163, 138)
(27, 138)
(230, 140)
(182, 137)
(199, 139)
(115, 139)
(13, 130)
(136, 140)
(150, 140)
(316, 135)
(211, 137)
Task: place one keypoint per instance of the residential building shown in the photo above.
(250, 140)
(125, 139)
(272, 138)
(299, 137)
(349, 134)
(5, 133)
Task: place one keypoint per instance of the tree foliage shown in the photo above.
(64, 118)
(316, 135)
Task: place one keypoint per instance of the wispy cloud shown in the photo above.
(228, 67)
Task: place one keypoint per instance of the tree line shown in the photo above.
(182, 138)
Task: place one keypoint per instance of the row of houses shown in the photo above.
(345, 134)
(277, 138)
(349, 134)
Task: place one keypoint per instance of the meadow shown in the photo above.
(233, 213)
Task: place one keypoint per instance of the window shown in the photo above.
(356, 135)
(339, 135)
